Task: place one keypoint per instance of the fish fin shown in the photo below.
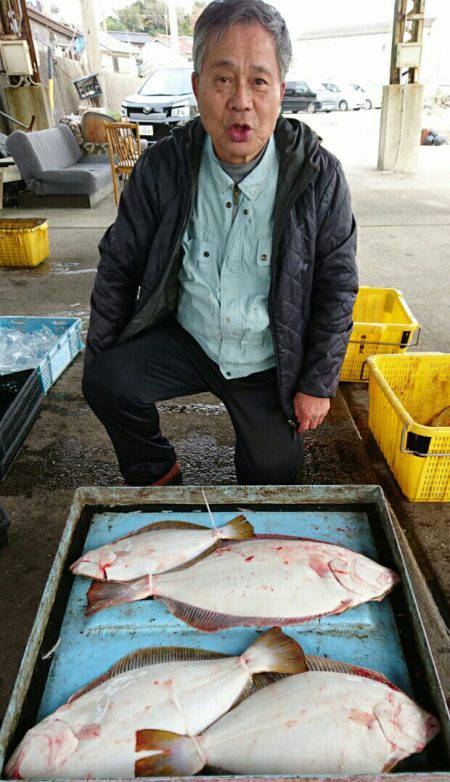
(142, 658)
(103, 594)
(276, 536)
(334, 666)
(203, 555)
(275, 651)
(261, 680)
(211, 621)
(237, 529)
(164, 524)
(176, 755)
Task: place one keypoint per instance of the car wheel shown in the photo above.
(311, 108)
(343, 105)
(367, 104)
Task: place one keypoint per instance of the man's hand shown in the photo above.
(310, 411)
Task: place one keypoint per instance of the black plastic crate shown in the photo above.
(4, 524)
(21, 397)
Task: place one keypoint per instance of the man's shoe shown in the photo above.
(171, 478)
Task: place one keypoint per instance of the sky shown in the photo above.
(300, 15)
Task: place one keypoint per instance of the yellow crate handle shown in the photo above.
(391, 344)
(404, 448)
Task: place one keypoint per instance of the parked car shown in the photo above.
(164, 100)
(308, 96)
(348, 98)
(372, 93)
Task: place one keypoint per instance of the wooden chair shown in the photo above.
(124, 145)
(93, 126)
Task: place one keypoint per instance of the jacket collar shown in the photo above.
(295, 141)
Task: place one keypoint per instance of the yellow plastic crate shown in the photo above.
(406, 392)
(383, 323)
(23, 241)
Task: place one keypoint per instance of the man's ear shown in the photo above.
(282, 90)
(194, 80)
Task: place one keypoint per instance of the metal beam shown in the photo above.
(407, 28)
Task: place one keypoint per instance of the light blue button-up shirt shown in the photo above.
(225, 275)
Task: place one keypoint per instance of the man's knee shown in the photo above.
(271, 466)
(100, 380)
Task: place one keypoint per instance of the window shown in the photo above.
(168, 81)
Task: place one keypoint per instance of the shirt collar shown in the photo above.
(253, 183)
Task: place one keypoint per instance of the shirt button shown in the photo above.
(228, 204)
(206, 254)
(228, 374)
(264, 257)
(246, 212)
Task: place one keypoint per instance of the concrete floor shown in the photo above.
(404, 223)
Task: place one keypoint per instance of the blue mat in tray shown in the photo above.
(366, 635)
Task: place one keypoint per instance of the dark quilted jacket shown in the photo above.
(314, 278)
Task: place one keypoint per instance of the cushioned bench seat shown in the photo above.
(52, 163)
(85, 178)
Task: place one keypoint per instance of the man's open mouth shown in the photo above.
(239, 131)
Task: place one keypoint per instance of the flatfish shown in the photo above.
(184, 690)
(317, 722)
(158, 547)
(264, 581)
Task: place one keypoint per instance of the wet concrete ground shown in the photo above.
(68, 448)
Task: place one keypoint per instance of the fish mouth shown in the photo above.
(88, 569)
(240, 131)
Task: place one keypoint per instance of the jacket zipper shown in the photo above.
(292, 421)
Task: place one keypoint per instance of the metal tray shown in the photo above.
(389, 636)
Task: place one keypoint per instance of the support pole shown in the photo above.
(402, 105)
(50, 78)
(173, 23)
(92, 45)
(31, 99)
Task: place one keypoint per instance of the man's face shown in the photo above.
(239, 92)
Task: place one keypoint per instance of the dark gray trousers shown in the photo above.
(122, 384)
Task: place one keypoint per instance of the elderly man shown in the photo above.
(230, 267)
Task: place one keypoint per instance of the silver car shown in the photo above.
(165, 99)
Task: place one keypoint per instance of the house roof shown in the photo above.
(185, 43)
(378, 28)
(352, 31)
(132, 37)
(59, 27)
(110, 44)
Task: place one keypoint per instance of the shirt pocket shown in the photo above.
(198, 259)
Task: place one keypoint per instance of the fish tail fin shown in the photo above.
(103, 594)
(237, 529)
(175, 755)
(274, 651)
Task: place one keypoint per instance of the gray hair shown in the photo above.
(218, 17)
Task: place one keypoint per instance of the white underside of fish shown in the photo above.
(154, 549)
(94, 736)
(271, 581)
(318, 723)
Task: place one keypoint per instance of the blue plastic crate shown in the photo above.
(62, 354)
